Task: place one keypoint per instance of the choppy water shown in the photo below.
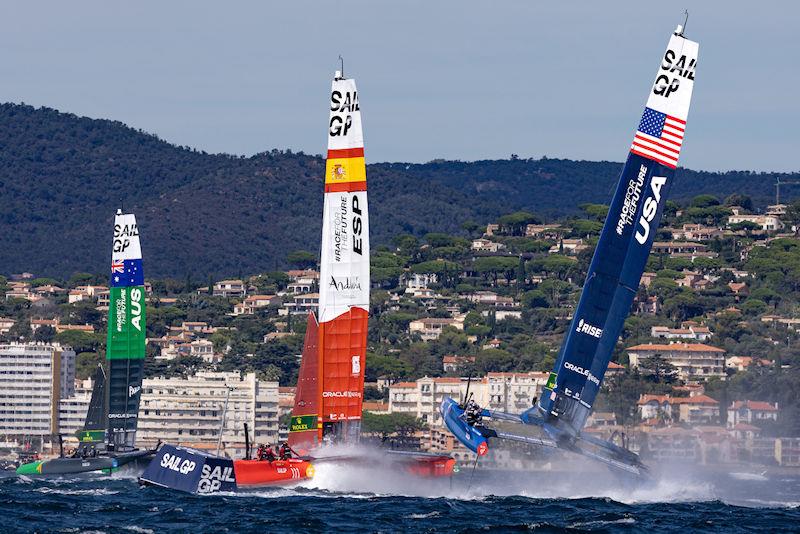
(344, 500)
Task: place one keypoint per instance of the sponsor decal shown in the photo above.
(631, 202)
(355, 365)
(581, 371)
(650, 208)
(133, 390)
(121, 309)
(341, 394)
(177, 463)
(551, 381)
(340, 229)
(211, 479)
(302, 423)
(668, 81)
(348, 283)
(590, 330)
(483, 448)
(122, 416)
(122, 236)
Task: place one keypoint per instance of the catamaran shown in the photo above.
(108, 439)
(611, 284)
(330, 386)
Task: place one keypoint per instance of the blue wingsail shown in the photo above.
(624, 246)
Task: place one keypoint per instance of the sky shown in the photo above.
(445, 79)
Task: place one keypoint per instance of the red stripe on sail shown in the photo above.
(346, 153)
(346, 187)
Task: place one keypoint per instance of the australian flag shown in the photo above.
(127, 273)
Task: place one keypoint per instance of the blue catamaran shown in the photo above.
(611, 284)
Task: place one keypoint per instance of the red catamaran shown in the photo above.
(330, 387)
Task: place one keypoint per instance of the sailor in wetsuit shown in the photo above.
(472, 413)
(265, 453)
(285, 451)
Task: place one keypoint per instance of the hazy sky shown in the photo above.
(437, 79)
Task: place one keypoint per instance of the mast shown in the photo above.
(625, 242)
(125, 350)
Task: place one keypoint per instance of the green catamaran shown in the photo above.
(108, 439)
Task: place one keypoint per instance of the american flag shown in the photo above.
(117, 266)
(659, 137)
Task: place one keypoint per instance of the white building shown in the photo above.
(508, 392)
(34, 377)
(253, 303)
(229, 288)
(72, 410)
(694, 361)
(189, 411)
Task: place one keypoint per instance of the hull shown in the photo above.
(194, 471)
(257, 473)
(66, 466)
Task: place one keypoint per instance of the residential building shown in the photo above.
(452, 363)
(656, 407)
(34, 377)
(740, 363)
(430, 328)
(697, 410)
(513, 392)
(694, 361)
(484, 245)
(229, 288)
(699, 333)
(253, 303)
(301, 304)
(767, 223)
(678, 247)
(5, 324)
(748, 411)
(189, 410)
(545, 231)
(568, 246)
(72, 410)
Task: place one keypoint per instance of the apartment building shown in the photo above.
(694, 361)
(190, 410)
(34, 377)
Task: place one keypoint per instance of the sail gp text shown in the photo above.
(342, 228)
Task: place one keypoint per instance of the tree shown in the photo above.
(516, 223)
(495, 265)
(737, 199)
(45, 334)
(302, 259)
(704, 201)
(658, 370)
(385, 425)
(597, 212)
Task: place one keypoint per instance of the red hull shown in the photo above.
(262, 473)
(431, 467)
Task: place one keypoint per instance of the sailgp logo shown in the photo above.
(133, 390)
(586, 328)
(581, 371)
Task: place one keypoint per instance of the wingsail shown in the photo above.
(331, 401)
(125, 350)
(612, 280)
(625, 242)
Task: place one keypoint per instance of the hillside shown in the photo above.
(63, 176)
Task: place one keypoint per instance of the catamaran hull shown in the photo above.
(67, 466)
(193, 471)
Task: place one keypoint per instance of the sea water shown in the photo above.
(343, 499)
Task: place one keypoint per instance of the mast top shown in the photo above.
(339, 75)
(682, 27)
(119, 211)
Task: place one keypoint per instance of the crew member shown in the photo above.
(285, 451)
(472, 413)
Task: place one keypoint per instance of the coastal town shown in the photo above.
(714, 323)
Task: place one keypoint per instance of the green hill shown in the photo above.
(62, 177)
